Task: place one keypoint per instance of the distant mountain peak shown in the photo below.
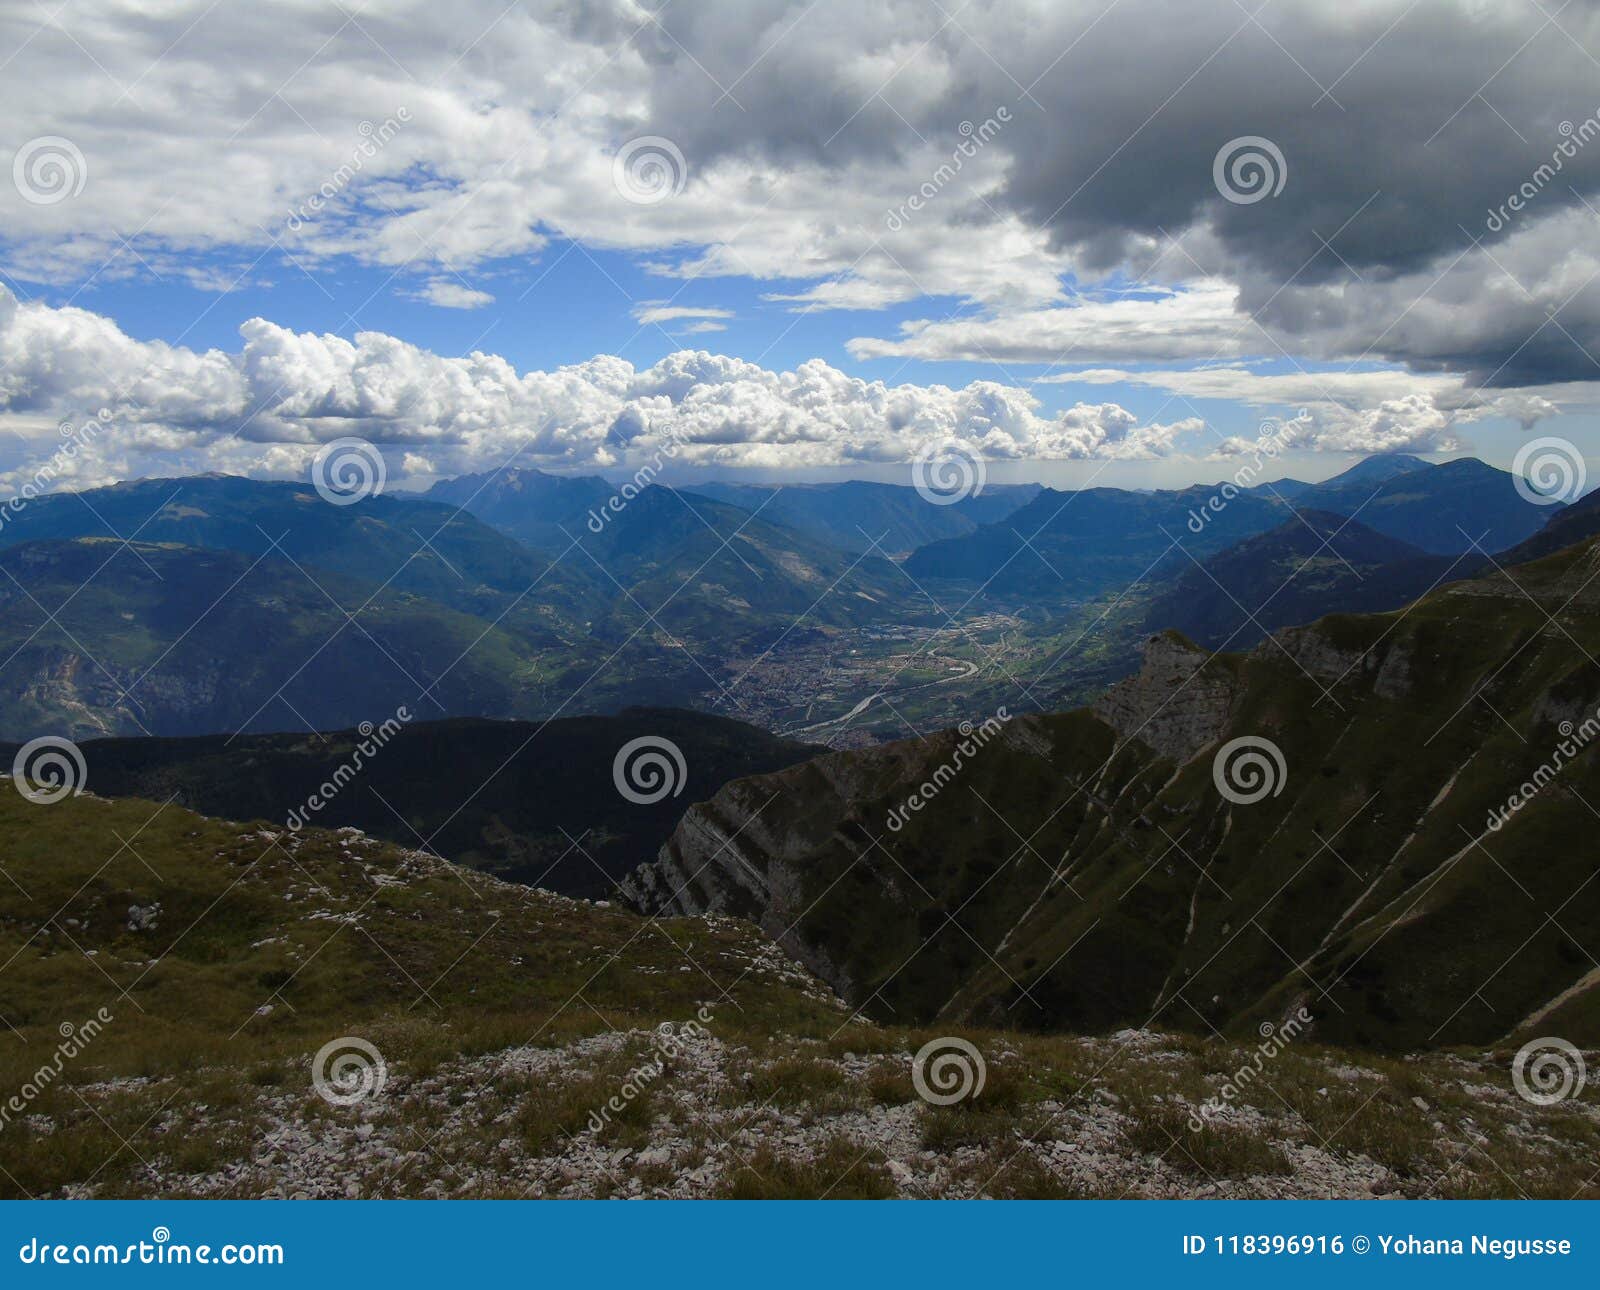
(1470, 466)
(1378, 467)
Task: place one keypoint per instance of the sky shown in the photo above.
(1103, 241)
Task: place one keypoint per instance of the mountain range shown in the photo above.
(1314, 564)
(102, 637)
(219, 604)
(1085, 542)
(861, 517)
(542, 510)
(857, 516)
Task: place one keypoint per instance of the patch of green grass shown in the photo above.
(889, 1084)
(842, 1170)
(948, 1128)
(615, 1103)
(814, 1083)
(1373, 1119)
(1021, 1173)
(1213, 1150)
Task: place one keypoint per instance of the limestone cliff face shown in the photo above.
(1178, 703)
(1314, 651)
(87, 700)
(56, 680)
(744, 852)
(751, 850)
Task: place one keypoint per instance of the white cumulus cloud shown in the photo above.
(265, 407)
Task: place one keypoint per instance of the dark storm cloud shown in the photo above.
(1410, 133)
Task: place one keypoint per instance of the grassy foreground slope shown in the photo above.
(205, 965)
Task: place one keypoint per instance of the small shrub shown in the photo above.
(842, 1171)
(1212, 1151)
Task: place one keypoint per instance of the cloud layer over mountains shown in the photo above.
(268, 406)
